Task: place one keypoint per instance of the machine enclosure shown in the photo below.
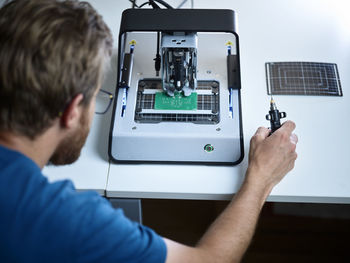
(176, 142)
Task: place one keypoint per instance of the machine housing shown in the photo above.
(199, 56)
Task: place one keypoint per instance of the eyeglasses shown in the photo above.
(103, 101)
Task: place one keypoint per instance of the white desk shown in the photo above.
(271, 30)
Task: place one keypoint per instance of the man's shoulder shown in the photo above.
(15, 162)
(65, 223)
(23, 188)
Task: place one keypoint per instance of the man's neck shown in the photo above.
(39, 150)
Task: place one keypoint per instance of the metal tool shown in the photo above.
(274, 116)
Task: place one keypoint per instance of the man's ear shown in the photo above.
(72, 113)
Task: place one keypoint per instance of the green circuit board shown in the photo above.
(178, 102)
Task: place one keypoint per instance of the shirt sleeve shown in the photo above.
(103, 234)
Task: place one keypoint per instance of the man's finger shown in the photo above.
(288, 126)
(293, 138)
(262, 133)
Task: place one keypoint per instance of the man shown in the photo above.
(52, 58)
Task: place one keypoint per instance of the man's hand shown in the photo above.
(271, 157)
(226, 241)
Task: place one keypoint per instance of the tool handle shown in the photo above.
(275, 117)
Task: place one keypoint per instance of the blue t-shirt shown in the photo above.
(52, 222)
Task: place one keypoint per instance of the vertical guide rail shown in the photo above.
(231, 76)
(126, 73)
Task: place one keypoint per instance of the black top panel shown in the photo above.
(185, 20)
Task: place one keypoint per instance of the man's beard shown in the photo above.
(68, 151)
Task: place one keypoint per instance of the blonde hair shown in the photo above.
(50, 51)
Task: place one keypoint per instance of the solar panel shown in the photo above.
(303, 78)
